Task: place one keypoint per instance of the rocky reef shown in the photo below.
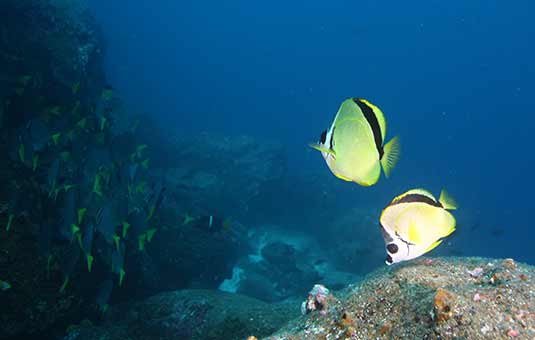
(92, 206)
(190, 314)
(429, 298)
(48, 51)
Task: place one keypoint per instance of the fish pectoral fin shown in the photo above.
(433, 246)
(390, 156)
(321, 148)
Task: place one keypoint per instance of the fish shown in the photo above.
(353, 147)
(107, 223)
(75, 88)
(38, 134)
(126, 226)
(67, 260)
(90, 260)
(141, 239)
(414, 223)
(107, 93)
(4, 285)
(103, 294)
(117, 262)
(87, 238)
(188, 219)
(68, 213)
(212, 224)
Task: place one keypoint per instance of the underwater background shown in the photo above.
(155, 156)
(453, 78)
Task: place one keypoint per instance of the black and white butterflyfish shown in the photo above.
(414, 223)
(353, 146)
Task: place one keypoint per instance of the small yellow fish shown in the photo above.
(354, 148)
(415, 223)
(75, 88)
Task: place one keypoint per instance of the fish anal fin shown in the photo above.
(433, 246)
(342, 177)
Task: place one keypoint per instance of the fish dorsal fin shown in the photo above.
(447, 201)
(321, 148)
(422, 192)
(413, 232)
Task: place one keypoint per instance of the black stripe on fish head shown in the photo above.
(323, 137)
(386, 235)
(331, 142)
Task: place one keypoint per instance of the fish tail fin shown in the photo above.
(90, 260)
(122, 273)
(390, 156)
(321, 148)
(9, 221)
(64, 285)
(447, 201)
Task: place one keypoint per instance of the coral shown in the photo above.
(317, 299)
(443, 304)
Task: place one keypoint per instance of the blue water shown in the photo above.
(454, 79)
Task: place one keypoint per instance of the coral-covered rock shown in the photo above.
(425, 299)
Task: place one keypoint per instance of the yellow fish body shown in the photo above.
(415, 223)
(353, 147)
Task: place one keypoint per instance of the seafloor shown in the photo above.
(430, 298)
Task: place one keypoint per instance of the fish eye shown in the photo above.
(323, 137)
(389, 260)
(392, 248)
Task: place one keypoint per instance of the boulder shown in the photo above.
(190, 315)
